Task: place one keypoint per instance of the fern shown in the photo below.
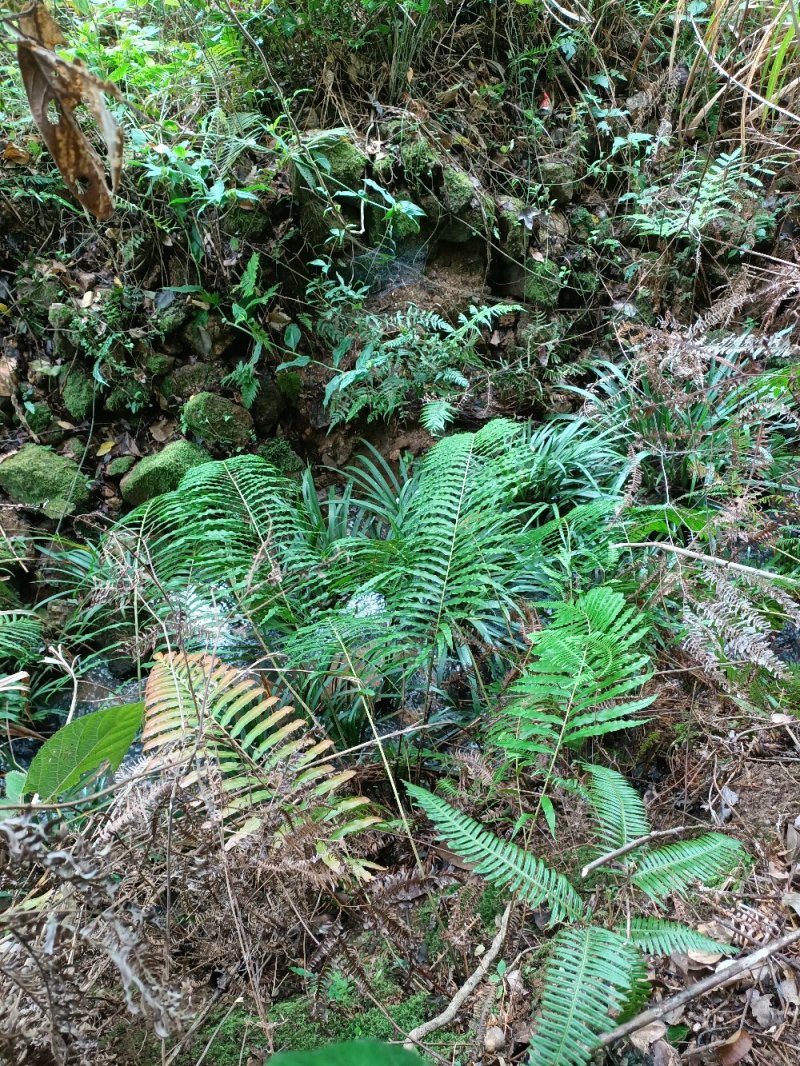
(260, 749)
(674, 867)
(20, 636)
(501, 862)
(588, 980)
(619, 808)
(588, 663)
(657, 936)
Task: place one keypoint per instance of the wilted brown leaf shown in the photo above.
(735, 1049)
(55, 88)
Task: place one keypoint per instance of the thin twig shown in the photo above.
(631, 846)
(713, 560)
(654, 1014)
(466, 990)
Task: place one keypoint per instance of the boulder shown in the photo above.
(39, 477)
(156, 474)
(221, 424)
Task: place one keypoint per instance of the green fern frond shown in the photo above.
(619, 808)
(658, 936)
(589, 979)
(502, 863)
(20, 636)
(588, 663)
(673, 868)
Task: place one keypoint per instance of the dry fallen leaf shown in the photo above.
(162, 430)
(643, 1038)
(55, 88)
(735, 1049)
(793, 841)
(16, 156)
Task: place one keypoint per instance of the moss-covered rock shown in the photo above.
(283, 457)
(542, 282)
(38, 477)
(222, 424)
(157, 364)
(515, 235)
(469, 212)
(190, 378)
(162, 472)
(120, 466)
(347, 164)
(78, 394)
(39, 417)
(558, 177)
(130, 396)
(419, 161)
(457, 189)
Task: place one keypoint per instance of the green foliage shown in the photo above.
(501, 862)
(587, 980)
(620, 812)
(20, 637)
(359, 1053)
(657, 936)
(672, 868)
(97, 740)
(588, 662)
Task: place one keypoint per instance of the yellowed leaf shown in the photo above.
(106, 447)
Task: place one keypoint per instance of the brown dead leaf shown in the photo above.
(793, 840)
(735, 1049)
(55, 88)
(18, 157)
(663, 1054)
(643, 1038)
(162, 430)
(8, 376)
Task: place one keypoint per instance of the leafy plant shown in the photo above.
(95, 741)
(357, 1053)
(588, 662)
(593, 976)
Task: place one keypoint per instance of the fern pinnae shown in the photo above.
(620, 811)
(708, 859)
(588, 979)
(658, 936)
(501, 862)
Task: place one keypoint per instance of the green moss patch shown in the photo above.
(162, 472)
(78, 394)
(41, 478)
(222, 424)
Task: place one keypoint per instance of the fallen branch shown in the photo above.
(712, 560)
(603, 860)
(466, 990)
(721, 977)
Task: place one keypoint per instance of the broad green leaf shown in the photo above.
(81, 747)
(15, 787)
(358, 1053)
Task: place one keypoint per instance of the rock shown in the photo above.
(469, 211)
(222, 424)
(158, 364)
(78, 394)
(542, 282)
(190, 378)
(38, 477)
(61, 317)
(156, 474)
(419, 162)
(282, 456)
(120, 466)
(267, 407)
(515, 233)
(494, 1040)
(39, 417)
(210, 339)
(558, 178)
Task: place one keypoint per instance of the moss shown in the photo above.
(558, 177)
(162, 472)
(283, 457)
(41, 478)
(515, 235)
(157, 364)
(419, 160)
(120, 466)
(190, 378)
(61, 316)
(347, 163)
(542, 282)
(78, 394)
(490, 904)
(457, 190)
(39, 417)
(222, 424)
(130, 396)
(290, 383)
